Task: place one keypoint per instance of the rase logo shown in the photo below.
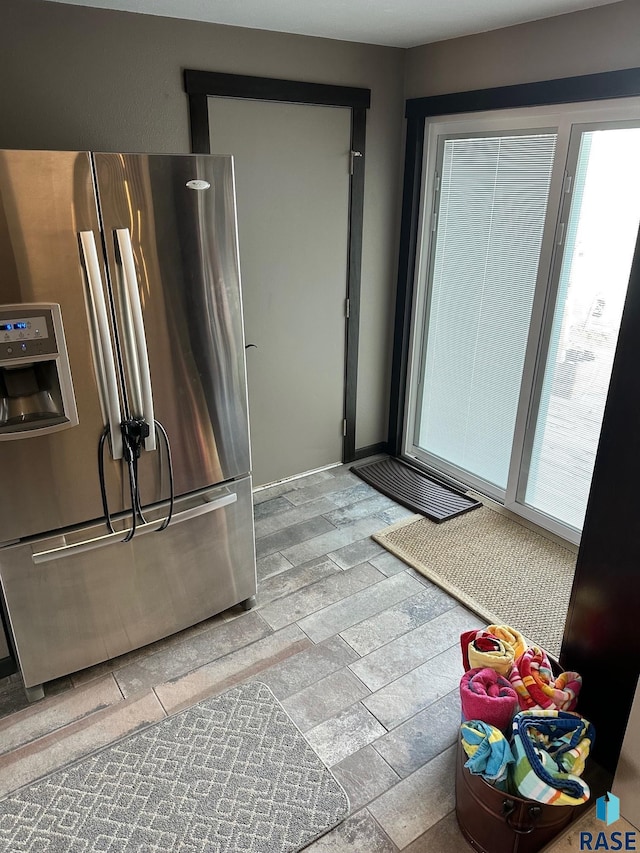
(608, 811)
(608, 808)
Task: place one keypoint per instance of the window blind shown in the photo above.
(491, 210)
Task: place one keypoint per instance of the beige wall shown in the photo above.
(76, 77)
(626, 785)
(600, 39)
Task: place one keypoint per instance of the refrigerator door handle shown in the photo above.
(113, 538)
(139, 344)
(107, 367)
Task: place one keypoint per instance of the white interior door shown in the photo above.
(292, 185)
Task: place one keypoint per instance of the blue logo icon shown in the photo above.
(608, 808)
(608, 811)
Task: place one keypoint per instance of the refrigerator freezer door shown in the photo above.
(47, 198)
(170, 223)
(76, 600)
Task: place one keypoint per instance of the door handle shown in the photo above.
(106, 367)
(139, 343)
(118, 536)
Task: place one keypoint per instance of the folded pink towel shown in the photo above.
(488, 696)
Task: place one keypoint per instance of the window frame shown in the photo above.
(608, 85)
(567, 121)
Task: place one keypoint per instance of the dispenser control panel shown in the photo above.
(36, 388)
(24, 335)
(24, 329)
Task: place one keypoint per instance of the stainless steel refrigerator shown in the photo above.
(120, 302)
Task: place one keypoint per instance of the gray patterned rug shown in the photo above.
(230, 775)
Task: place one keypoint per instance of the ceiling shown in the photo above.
(396, 23)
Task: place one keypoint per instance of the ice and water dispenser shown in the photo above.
(36, 391)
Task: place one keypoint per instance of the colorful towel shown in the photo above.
(496, 647)
(488, 696)
(488, 751)
(537, 687)
(550, 748)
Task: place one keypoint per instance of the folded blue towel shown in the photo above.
(550, 748)
(488, 751)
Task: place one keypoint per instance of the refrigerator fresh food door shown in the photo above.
(85, 597)
(170, 236)
(49, 476)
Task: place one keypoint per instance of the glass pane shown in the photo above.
(491, 212)
(599, 245)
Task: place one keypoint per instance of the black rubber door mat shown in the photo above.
(415, 490)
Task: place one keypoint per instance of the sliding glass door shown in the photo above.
(488, 218)
(528, 235)
(590, 277)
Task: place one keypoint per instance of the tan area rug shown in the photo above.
(496, 567)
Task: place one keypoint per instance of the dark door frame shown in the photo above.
(565, 90)
(200, 85)
(600, 640)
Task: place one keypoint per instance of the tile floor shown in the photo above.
(361, 651)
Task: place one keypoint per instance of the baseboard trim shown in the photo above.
(371, 450)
